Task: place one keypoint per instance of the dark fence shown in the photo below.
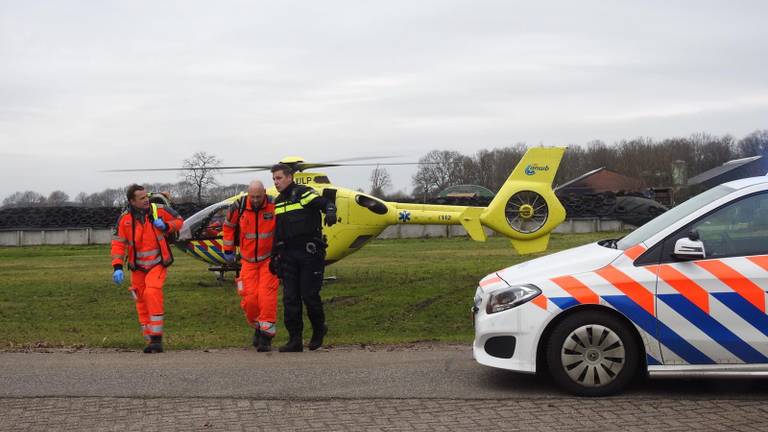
(72, 217)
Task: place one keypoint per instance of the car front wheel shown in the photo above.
(592, 354)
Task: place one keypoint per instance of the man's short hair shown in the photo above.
(282, 167)
(132, 190)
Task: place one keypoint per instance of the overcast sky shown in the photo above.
(91, 85)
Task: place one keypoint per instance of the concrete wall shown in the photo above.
(73, 236)
(588, 225)
(83, 236)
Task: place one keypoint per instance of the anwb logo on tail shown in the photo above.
(532, 168)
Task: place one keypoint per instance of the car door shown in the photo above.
(715, 308)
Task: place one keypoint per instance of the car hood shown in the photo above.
(571, 261)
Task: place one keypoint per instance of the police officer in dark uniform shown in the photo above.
(299, 255)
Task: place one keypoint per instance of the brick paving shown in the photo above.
(231, 414)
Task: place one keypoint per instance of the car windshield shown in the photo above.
(673, 215)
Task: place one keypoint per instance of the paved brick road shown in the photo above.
(431, 389)
(206, 414)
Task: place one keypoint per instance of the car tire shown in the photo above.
(592, 354)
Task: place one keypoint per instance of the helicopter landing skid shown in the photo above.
(222, 270)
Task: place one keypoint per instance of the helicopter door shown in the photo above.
(342, 210)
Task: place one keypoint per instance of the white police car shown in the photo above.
(684, 293)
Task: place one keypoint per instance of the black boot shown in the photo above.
(294, 344)
(256, 337)
(317, 337)
(155, 345)
(265, 343)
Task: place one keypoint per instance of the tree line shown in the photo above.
(645, 158)
(199, 185)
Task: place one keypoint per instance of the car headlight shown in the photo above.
(511, 297)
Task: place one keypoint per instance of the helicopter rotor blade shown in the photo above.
(224, 168)
(305, 166)
(244, 171)
(390, 164)
(361, 158)
(300, 166)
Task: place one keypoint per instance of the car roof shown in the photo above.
(746, 182)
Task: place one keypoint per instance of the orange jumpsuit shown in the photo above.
(254, 230)
(149, 256)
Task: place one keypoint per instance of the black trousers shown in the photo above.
(302, 280)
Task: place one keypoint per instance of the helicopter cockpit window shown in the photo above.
(371, 204)
(206, 224)
(212, 226)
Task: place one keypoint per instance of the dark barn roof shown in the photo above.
(601, 180)
(15, 218)
(732, 170)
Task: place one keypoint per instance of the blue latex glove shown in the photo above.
(159, 224)
(118, 277)
(229, 257)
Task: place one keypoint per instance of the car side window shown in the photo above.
(737, 229)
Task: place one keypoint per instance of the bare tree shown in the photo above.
(82, 198)
(754, 144)
(201, 170)
(24, 199)
(600, 154)
(112, 197)
(221, 193)
(183, 192)
(57, 198)
(380, 181)
(574, 164)
(438, 170)
(490, 168)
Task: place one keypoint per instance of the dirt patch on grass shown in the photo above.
(343, 300)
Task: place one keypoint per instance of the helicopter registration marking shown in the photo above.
(405, 216)
(444, 217)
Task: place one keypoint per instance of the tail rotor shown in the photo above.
(526, 209)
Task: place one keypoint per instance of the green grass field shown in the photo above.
(392, 291)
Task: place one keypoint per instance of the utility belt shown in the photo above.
(310, 245)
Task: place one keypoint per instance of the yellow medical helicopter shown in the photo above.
(525, 210)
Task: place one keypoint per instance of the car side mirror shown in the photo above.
(688, 248)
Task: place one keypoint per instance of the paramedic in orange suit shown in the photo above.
(141, 236)
(250, 224)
